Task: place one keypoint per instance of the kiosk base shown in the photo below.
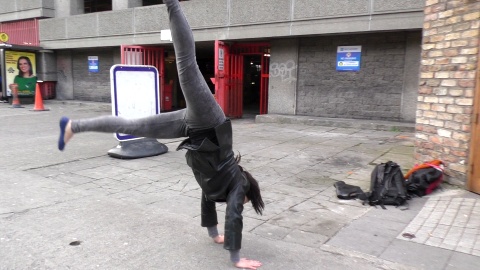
(140, 148)
(24, 100)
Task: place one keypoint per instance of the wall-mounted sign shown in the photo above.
(348, 58)
(20, 73)
(3, 37)
(166, 35)
(221, 59)
(93, 64)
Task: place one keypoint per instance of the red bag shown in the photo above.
(423, 179)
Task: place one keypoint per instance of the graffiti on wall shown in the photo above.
(286, 71)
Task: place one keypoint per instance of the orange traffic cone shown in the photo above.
(38, 100)
(16, 100)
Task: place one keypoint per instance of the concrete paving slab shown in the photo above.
(22, 191)
(447, 222)
(343, 123)
(460, 260)
(144, 214)
(416, 255)
(383, 264)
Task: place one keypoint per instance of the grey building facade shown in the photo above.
(303, 34)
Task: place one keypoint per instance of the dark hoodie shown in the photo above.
(211, 157)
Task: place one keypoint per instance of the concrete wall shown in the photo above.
(92, 86)
(76, 82)
(377, 91)
(64, 86)
(12, 10)
(65, 8)
(282, 84)
(124, 4)
(46, 66)
(232, 19)
(411, 80)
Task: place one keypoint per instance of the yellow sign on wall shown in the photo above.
(3, 37)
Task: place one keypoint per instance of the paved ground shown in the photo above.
(81, 209)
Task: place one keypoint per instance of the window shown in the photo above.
(155, 2)
(97, 5)
(152, 2)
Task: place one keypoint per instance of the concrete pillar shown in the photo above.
(46, 66)
(64, 88)
(282, 85)
(65, 8)
(124, 4)
(411, 80)
(117, 56)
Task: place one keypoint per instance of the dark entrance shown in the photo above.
(251, 85)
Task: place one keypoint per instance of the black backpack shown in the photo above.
(387, 186)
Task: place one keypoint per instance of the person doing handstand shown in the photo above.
(209, 143)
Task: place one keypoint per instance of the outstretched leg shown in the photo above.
(202, 109)
(159, 126)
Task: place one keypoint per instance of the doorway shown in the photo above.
(237, 74)
(241, 78)
(251, 85)
(153, 56)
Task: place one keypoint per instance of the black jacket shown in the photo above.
(210, 155)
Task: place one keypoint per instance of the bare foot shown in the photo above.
(248, 264)
(219, 239)
(68, 132)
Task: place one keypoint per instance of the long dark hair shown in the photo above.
(30, 71)
(253, 194)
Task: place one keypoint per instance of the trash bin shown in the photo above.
(47, 90)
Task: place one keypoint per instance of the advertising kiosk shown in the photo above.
(18, 71)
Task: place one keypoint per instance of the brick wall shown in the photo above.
(447, 83)
(92, 86)
(374, 92)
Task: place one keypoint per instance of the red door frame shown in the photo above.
(236, 85)
(265, 76)
(229, 75)
(152, 56)
(222, 67)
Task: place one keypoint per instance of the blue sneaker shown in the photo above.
(63, 124)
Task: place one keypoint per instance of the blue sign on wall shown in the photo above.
(348, 58)
(93, 63)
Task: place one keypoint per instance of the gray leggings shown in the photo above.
(202, 111)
